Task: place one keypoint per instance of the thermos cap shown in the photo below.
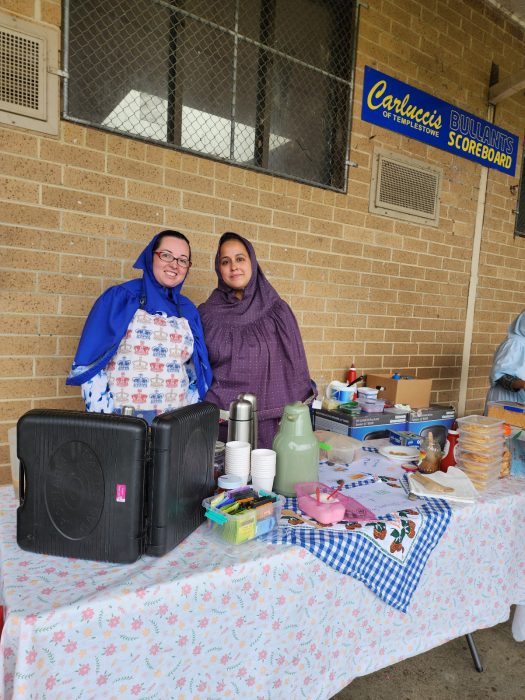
(240, 410)
(251, 398)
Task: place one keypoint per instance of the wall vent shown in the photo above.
(28, 85)
(406, 189)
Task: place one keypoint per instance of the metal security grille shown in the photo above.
(403, 188)
(265, 84)
(21, 81)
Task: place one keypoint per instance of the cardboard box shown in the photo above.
(508, 411)
(437, 419)
(362, 427)
(414, 392)
(436, 411)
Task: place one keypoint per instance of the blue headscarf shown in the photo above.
(111, 314)
(509, 358)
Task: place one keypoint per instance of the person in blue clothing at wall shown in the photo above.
(143, 343)
(507, 377)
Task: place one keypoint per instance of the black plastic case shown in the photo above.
(82, 484)
(99, 486)
(180, 474)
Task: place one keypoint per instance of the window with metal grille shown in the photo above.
(260, 83)
(519, 226)
(404, 188)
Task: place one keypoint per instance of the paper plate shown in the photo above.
(399, 453)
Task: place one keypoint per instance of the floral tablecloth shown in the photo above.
(266, 621)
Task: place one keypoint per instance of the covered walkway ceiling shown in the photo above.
(513, 8)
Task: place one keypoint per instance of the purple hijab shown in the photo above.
(254, 345)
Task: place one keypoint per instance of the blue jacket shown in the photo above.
(111, 314)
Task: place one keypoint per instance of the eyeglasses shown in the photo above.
(166, 257)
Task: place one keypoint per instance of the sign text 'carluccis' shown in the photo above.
(399, 107)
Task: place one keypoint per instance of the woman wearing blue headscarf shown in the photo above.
(143, 344)
(507, 377)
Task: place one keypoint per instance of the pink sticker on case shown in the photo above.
(121, 493)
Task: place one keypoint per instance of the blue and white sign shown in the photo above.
(399, 107)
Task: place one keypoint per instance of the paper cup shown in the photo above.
(237, 459)
(263, 463)
(262, 483)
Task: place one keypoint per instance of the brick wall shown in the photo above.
(76, 210)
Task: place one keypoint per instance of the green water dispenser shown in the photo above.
(297, 450)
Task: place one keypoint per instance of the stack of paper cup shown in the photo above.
(263, 469)
(237, 459)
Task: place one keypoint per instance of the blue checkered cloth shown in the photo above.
(354, 554)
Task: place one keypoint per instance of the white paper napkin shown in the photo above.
(454, 478)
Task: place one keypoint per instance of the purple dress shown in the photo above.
(254, 345)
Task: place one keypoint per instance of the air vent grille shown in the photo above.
(21, 74)
(28, 74)
(405, 189)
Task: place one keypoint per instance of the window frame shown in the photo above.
(262, 134)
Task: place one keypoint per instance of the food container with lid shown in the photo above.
(337, 447)
(480, 449)
(375, 406)
(367, 393)
(227, 482)
(328, 505)
(482, 427)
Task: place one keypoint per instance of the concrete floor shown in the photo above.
(448, 673)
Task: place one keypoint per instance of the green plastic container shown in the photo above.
(297, 450)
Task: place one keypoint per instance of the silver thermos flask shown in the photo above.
(240, 421)
(253, 433)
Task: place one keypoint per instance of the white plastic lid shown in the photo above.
(229, 481)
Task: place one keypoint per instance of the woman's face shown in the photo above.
(235, 266)
(170, 274)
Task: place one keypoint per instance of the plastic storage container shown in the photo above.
(328, 511)
(480, 449)
(480, 427)
(227, 482)
(376, 406)
(342, 448)
(367, 394)
(245, 526)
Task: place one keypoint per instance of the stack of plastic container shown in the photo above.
(480, 449)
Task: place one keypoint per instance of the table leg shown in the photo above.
(518, 623)
(474, 651)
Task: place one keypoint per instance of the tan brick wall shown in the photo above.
(76, 210)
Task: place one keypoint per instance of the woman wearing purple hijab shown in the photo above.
(254, 343)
